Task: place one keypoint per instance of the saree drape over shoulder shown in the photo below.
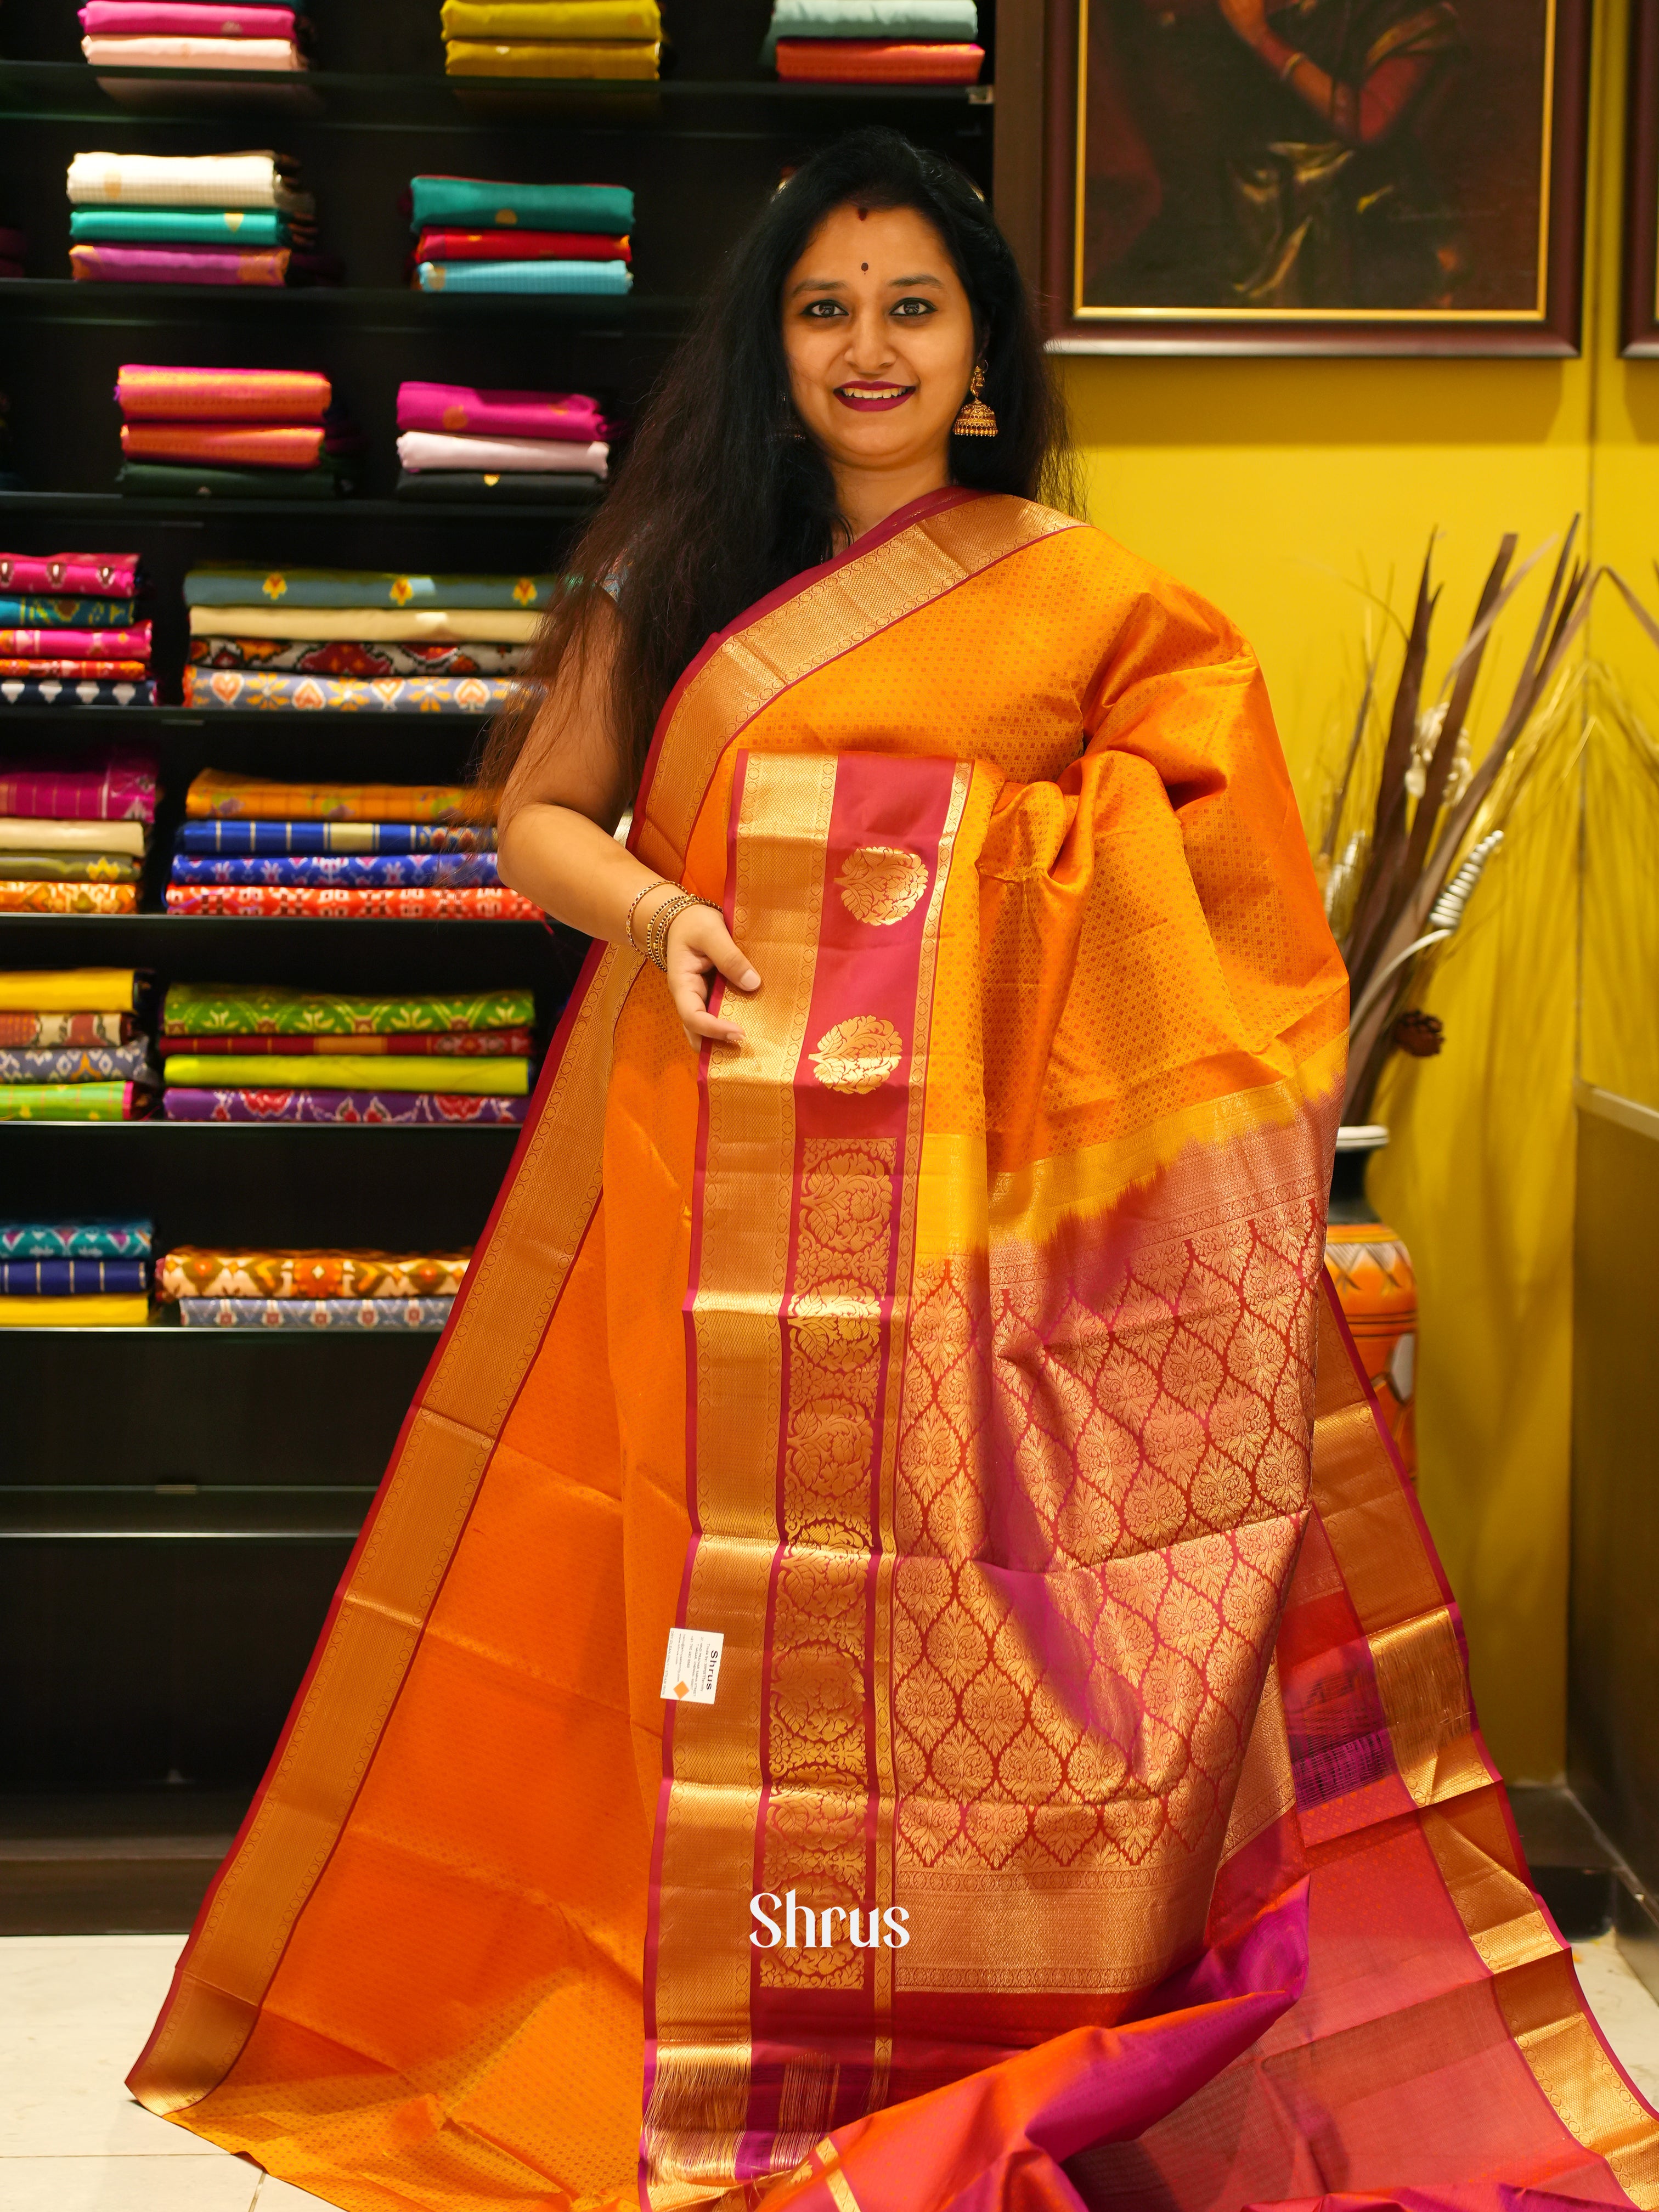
(892, 1669)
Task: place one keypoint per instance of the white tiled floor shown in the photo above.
(75, 2010)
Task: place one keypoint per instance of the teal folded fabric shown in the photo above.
(603, 277)
(475, 203)
(951, 20)
(133, 226)
(356, 587)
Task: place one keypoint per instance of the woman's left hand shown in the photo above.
(699, 948)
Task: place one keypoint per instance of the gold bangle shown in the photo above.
(656, 935)
(661, 885)
(1289, 66)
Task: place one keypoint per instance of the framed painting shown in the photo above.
(1316, 176)
(1641, 317)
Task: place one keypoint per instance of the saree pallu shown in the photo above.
(277, 837)
(70, 572)
(221, 791)
(249, 444)
(179, 265)
(282, 396)
(481, 203)
(79, 1278)
(191, 1271)
(457, 407)
(347, 871)
(262, 901)
(122, 225)
(49, 614)
(50, 691)
(967, 1529)
(93, 1063)
(876, 61)
(501, 1078)
(75, 1240)
(607, 278)
(385, 694)
(34, 1030)
(356, 659)
(69, 867)
(358, 587)
(274, 1009)
(374, 1109)
(465, 1044)
(119, 788)
(314, 1313)
(36, 897)
(75, 1101)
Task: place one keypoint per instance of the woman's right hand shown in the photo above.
(700, 947)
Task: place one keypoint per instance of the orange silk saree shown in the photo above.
(871, 1492)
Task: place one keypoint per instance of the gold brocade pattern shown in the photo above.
(858, 1055)
(880, 884)
(818, 1752)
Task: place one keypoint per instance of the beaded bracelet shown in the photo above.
(656, 936)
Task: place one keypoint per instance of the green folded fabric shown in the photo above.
(64, 1102)
(929, 21)
(222, 585)
(185, 480)
(202, 1070)
(181, 225)
(476, 204)
(274, 1009)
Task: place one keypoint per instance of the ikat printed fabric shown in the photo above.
(253, 1010)
(126, 1239)
(343, 870)
(112, 1063)
(314, 1313)
(194, 1271)
(437, 1109)
(495, 903)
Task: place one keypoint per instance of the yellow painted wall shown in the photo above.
(1279, 489)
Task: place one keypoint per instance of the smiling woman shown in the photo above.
(880, 1678)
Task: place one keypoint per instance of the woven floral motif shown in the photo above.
(858, 1055)
(880, 884)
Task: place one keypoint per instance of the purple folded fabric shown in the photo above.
(121, 788)
(165, 19)
(457, 408)
(177, 265)
(431, 1106)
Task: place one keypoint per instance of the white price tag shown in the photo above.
(692, 1667)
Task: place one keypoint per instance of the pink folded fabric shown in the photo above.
(108, 575)
(144, 393)
(434, 449)
(197, 53)
(132, 644)
(140, 19)
(179, 265)
(570, 415)
(119, 788)
(234, 445)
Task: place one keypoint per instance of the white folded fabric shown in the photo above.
(272, 54)
(371, 625)
(433, 449)
(218, 180)
(22, 836)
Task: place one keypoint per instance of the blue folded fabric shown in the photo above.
(483, 204)
(77, 1063)
(58, 1279)
(610, 277)
(127, 1238)
(40, 613)
(271, 838)
(342, 870)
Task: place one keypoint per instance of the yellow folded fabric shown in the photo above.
(553, 57)
(371, 625)
(552, 19)
(67, 990)
(282, 1070)
(96, 1312)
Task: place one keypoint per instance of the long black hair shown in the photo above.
(721, 498)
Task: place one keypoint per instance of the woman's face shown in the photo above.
(879, 339)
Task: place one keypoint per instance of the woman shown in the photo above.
(848, 1694)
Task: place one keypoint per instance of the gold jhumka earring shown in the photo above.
(976, 419)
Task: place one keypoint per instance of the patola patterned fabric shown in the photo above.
(1066, 1792)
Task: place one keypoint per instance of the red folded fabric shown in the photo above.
(877, 61)
(77, 671)
(221, 395)
(168, 19)
(132, 644)
(520, 245)
(114, 575)
(245, 445)
(567, 417)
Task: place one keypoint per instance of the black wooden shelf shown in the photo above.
(115, 506)
(366, 308)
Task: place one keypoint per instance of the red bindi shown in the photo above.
(865, 267)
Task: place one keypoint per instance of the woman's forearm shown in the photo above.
(575, 871)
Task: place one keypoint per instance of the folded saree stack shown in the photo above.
(180, 219)
(875, 41)
(73, 837)
(215, 1289)
(82, 644)
(238, 1052)
(472, 234)
(232, 433)
(74, 1274)
(70, 1047)
(414, 875)
(537, 439)
(589, 39)
(193, 34)
(339, 638)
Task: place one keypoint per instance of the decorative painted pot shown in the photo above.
(1375, 1285)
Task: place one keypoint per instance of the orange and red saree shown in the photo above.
(865, 1684)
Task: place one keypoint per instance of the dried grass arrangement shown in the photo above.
(1408, 826)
